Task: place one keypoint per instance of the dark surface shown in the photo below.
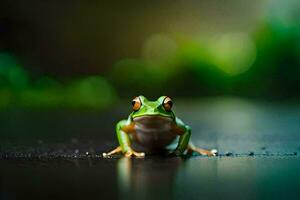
(152, 178)
(57, 155)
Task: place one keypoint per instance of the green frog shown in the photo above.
(152, 127)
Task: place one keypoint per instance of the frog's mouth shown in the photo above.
(152, 120)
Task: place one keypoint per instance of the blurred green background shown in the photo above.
(69, 69)
(89, 54)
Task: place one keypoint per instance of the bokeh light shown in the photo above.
(159, 48)
(194, 50)
(283, 15)
(234, 53)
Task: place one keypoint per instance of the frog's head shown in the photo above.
(161, 107)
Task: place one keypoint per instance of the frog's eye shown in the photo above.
(136, 103)
(167, 104)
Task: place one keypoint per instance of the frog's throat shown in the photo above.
(153, 117)
(151, 122)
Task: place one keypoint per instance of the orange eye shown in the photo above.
(136, 103)
(167, 104)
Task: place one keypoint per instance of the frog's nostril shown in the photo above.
(155, 109)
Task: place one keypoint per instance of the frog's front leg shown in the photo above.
(184, 139)
(123, 130)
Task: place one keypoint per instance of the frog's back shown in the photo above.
(153, 133)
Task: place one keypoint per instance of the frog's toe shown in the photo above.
(104, 154)
(129, 154)
(139, 154)
(213, 152)
(107, 155)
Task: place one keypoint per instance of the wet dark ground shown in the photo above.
(51, 155)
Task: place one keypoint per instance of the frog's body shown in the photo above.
(152, 126)
(153, 133)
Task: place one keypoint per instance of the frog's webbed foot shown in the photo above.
(115, 151)
(203, 152)
(131, 153)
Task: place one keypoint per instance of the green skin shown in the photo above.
(151, 110)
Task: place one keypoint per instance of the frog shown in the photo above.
(152, 127)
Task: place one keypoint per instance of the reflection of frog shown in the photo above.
(153, 126)
(154, 178)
